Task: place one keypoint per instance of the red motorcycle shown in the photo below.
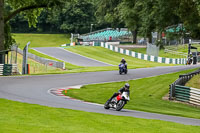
(117, 102)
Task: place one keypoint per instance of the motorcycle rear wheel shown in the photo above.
(120, 105)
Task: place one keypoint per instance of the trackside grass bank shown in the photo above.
(178, 48)
(162, 53)
(145, 94)
(194, 82)
(41, 40)
(19, 117)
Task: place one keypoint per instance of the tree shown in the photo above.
(129, 13)
(108, 11)
(31, 9)
(75, 17)
(190, 15)
(1, 26)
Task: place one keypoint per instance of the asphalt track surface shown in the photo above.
(35, 90)
(70, 57)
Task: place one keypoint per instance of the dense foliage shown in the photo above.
(75, 16)
(30, 9)
(146, 16)
(139, 16)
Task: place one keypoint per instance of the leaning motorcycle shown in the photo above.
(117, 102)
(122, 68)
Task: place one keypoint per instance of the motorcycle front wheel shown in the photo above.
(120, 105)
(126, 71)
(120, 72)
(106, 105)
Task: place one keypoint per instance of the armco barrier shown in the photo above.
(187, 94)
(8, 69)
(144, 56)
(183, 93)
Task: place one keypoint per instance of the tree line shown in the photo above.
(75, 16)
(65, 16)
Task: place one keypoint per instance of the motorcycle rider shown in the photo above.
(121, 90)
(123, 61)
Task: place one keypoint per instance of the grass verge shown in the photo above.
(22, 117)
(145, 94)
(194, 82)
(41, 40)
(162, 53)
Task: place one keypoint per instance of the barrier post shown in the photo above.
(28, 68)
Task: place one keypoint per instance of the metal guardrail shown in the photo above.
(187, 94)
(182, 80)
(44, 61)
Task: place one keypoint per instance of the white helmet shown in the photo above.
(127, 85)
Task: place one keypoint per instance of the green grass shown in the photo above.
(178, 48)
(146, 95)
(162, 53)
(114, 58)
(19, 117)
(183, 48)
(194, 82)
(41, 40)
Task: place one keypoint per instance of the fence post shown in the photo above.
(172, 91)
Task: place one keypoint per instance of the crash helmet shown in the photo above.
(127, 86)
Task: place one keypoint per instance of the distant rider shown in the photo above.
(123, 61)
(121, 90)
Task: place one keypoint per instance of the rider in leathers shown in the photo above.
(121, 90)
(123, 61)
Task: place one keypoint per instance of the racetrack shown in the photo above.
(35, 89)
(70, 57)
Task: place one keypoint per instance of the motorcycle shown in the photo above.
(117, 102)
(189, 61)
(122, 68)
